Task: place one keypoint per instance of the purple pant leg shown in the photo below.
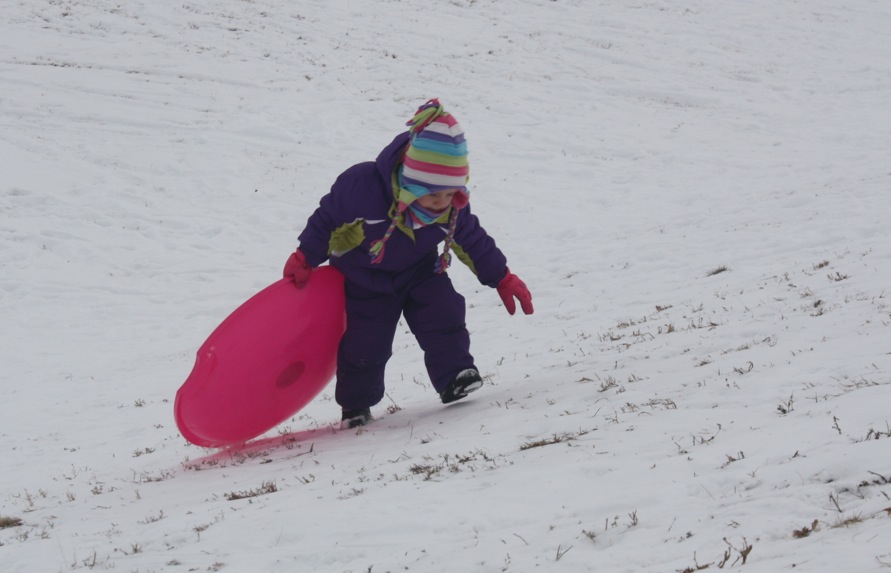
(435, 313)
(366, 346)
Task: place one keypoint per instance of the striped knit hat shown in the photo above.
(435, 160)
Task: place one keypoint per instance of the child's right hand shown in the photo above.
(297, 269)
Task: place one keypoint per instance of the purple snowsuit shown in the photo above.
(349, 218)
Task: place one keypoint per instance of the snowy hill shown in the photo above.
(696, 193)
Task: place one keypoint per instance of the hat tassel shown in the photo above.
(446, 258)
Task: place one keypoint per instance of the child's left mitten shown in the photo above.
(512, 287)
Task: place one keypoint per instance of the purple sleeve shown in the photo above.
(489, 263)
(335, 209)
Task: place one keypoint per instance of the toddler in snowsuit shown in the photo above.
(380, 225)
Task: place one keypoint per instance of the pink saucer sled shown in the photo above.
(264, 363)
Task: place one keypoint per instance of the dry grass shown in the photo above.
(265, 488)
(9, 522)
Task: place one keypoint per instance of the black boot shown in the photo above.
(355, 418)
(465, 382)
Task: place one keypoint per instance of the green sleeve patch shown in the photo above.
(463, 257)
(346, 238)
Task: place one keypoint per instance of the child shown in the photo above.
(380, 226)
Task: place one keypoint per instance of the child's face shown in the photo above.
(438, 201)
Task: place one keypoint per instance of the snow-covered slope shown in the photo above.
(695, 192)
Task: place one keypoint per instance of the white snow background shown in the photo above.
(696, 193)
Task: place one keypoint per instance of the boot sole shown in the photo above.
(463, 392)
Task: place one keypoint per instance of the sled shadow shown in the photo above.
(301, 443)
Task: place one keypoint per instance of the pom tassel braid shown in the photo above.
(446, 258)
(425, 115)
(376, 250)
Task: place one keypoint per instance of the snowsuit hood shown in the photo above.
(391, 156)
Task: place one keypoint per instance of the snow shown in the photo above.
(695, 192)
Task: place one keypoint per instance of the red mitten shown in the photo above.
(511, 286)
(297, 269)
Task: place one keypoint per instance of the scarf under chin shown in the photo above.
(417, 216)
(414, 216)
